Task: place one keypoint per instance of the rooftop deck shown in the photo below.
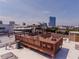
(67, 52)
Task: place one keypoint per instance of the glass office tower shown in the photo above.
(52, 21)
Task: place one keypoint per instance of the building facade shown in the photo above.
(5, 28)
(52, 21)
(74, 36)
(11, 23)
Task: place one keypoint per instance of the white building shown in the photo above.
(5, 28)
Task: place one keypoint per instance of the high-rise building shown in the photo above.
(52, 21)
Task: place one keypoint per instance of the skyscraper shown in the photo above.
(52, 21)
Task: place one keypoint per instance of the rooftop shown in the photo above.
(75, 32)
(68, 51)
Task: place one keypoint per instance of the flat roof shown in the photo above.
(68, 51)
(75, 32)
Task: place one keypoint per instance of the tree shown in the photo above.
(54, 29)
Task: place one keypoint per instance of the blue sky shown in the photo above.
(31, 11)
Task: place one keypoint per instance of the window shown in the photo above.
(2, 28)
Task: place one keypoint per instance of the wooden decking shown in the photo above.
(48, 45)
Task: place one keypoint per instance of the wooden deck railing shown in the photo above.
(48, 45)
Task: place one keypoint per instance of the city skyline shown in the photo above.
(66, 11)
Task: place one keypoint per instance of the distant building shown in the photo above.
(43, 25)
(11, 23)
(6, 28)
(52, 21)
(1, 22)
